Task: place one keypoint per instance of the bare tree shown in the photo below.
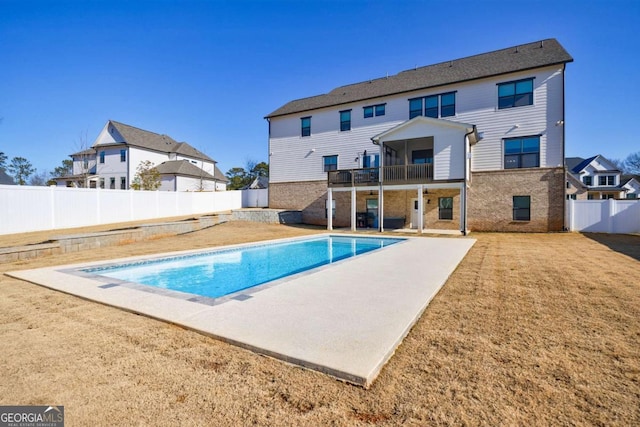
(632, 163)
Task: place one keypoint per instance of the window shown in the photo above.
(431, 106)
(102, 157)
(571, 196)
(445, 208)
(415, 107)
(123, 183)
(632, 196)
(521, 208)
(101, 182)
(607, 180)
(123, 155)
(345, 120)
(448, 104)
(368, 112)
(112, 183)
(419, 157)
(330, 163)
(305, 124)
(85, 164)
(590, 196)
(371, 110)
(522, 152)
(367, 160)
(587, 180)
(515, 94)
(435, 106)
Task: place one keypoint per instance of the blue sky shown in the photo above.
(207, 72)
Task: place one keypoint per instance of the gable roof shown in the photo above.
(5, 179)
(517, 58)
(186, 168)
(153, 141)
(577, 164)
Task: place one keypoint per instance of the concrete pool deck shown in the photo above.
(344, 319)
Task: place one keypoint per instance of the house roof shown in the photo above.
(88, 151)
(183, 168)
(260, 182)
(517, 58)
(5, 179)
(186, 168)
(577, 164)
(153, 141)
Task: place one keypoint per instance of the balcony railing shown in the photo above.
(399, 174)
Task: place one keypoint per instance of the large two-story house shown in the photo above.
(113, 160)
(469, 144)
(597, 178)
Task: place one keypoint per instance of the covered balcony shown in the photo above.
(398, 174)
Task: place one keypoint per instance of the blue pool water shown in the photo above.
(222, 272)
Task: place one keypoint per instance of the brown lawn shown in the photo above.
(531, 329)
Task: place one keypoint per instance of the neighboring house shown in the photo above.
(470, 144)
(6, 179)
(598, 178)
(259, 183)
(113, 159)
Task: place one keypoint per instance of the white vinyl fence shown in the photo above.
(24, 208)
(604, 216)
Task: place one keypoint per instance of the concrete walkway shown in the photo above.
(345, 319)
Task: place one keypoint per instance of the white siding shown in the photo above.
(137, 155)
(296, 158)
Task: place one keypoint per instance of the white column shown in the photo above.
(420, 209)
(381, 209)
(353, 209)
(329, 210)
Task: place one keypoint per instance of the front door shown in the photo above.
(414, 213)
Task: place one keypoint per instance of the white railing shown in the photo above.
(604, 216)
(24, 208)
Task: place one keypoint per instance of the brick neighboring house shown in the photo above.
(470, 144)
(596, 178)
(113, 159)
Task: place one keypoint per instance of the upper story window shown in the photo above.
(123, 183)
(522, 152)
(330, 163)
(345, 120)
(371, 110)
(435, 106)
(305, 126)
(102, 157)
(123, 155)
(587, 180)
(515, 94)
(607, 180)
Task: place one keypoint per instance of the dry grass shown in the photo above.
(531, 329)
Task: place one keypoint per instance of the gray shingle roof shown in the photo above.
(517, 58)
(183, 168)
(154, 141)
(186, 168)
(5, 179)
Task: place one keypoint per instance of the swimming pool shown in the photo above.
(223, 272)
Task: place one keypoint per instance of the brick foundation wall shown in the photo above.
(310, 198)
(491, 194)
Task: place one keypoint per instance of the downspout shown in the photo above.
(466, 162)
(564, 166)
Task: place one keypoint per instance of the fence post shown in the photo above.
(612, 212)
(53, 206)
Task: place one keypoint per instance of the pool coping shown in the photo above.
(344, 319)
